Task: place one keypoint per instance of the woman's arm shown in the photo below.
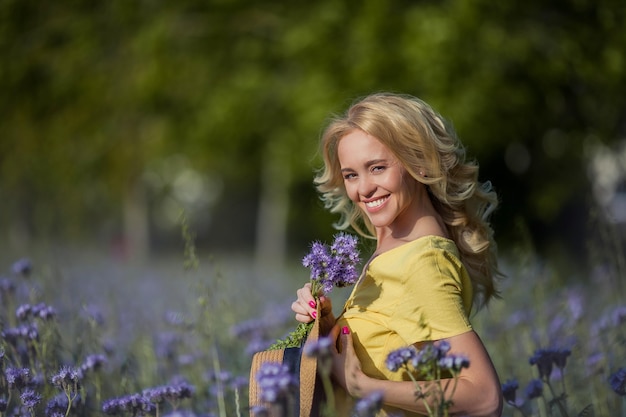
(477, 392)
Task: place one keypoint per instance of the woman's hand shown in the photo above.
(305, 308)
(346, 365)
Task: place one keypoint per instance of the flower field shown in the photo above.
(86, 336)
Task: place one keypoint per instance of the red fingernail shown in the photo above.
(314, 314)
(345, 330)
(312, 304)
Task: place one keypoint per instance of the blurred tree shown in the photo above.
(94, 97)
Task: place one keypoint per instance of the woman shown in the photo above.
(397, 173)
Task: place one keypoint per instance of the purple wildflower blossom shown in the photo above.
(334, 266)
(534, 389)
(430, 353)
(275, 381)
(7, 287)
(111, 406)
(17, 378)
(559, 357)
(239, 382)
(319, 349)
(57, 406)
(22, 267)
(30, 398)
(399, 358)
(454, 363)
(67, 378)
(545, 358)
(93, 314)
(171, 393)
(618, 381)
(509, 390)
(259, 411)
(23, 311)
(3, 405)
(44, 312)
(28, 331)
(618, 315)
(368, 406)
(41, 310)
(137, 404)
(93, 363)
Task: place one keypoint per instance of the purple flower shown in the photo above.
(17, 378)
(41, 310)
(22, 267)
(7, 287)
(259, 411)
(454, 363)
(136, 404)
(57, 406)
(239, 382)
(44, 311)
(320, 348)
(111, 406)
(429, 353)
(275, 381)
(23, 312)
(509, 390)
(545, 358)
(3, 405)
(334, 266)
(67, 378)
(399, 358)
(618, 315)
(559, 356)
(618, 381)
(345, 259)
(94, 314)
(368, 406)
(534, 389)
(30, 398)
(22, 332)
(93, 363)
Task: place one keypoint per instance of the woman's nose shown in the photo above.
(366, 187)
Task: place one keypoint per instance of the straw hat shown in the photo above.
(303, 367)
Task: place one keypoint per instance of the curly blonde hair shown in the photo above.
(422, 141)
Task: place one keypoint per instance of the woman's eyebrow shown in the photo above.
(367, 164)
(375, 161)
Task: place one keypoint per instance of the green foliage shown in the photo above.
(295, 338)
(92, 95)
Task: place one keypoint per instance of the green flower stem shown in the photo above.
(558, 401)
(237, 403)
(324, 371)
(418, 388)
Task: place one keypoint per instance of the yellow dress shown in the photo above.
(416, 292)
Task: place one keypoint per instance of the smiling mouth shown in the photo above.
(376, 203)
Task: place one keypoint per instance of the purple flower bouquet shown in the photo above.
(334, 265)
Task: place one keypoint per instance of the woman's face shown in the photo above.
(377, 182)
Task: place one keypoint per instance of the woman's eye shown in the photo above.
(349, 176)
(378, 168)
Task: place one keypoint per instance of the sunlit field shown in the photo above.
(86, 335)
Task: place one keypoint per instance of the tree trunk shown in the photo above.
(136, 237)
(272, 215)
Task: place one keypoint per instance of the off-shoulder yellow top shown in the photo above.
(419, 291)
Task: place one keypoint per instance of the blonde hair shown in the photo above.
(423, 142)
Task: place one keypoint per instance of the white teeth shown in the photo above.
(375, 203)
